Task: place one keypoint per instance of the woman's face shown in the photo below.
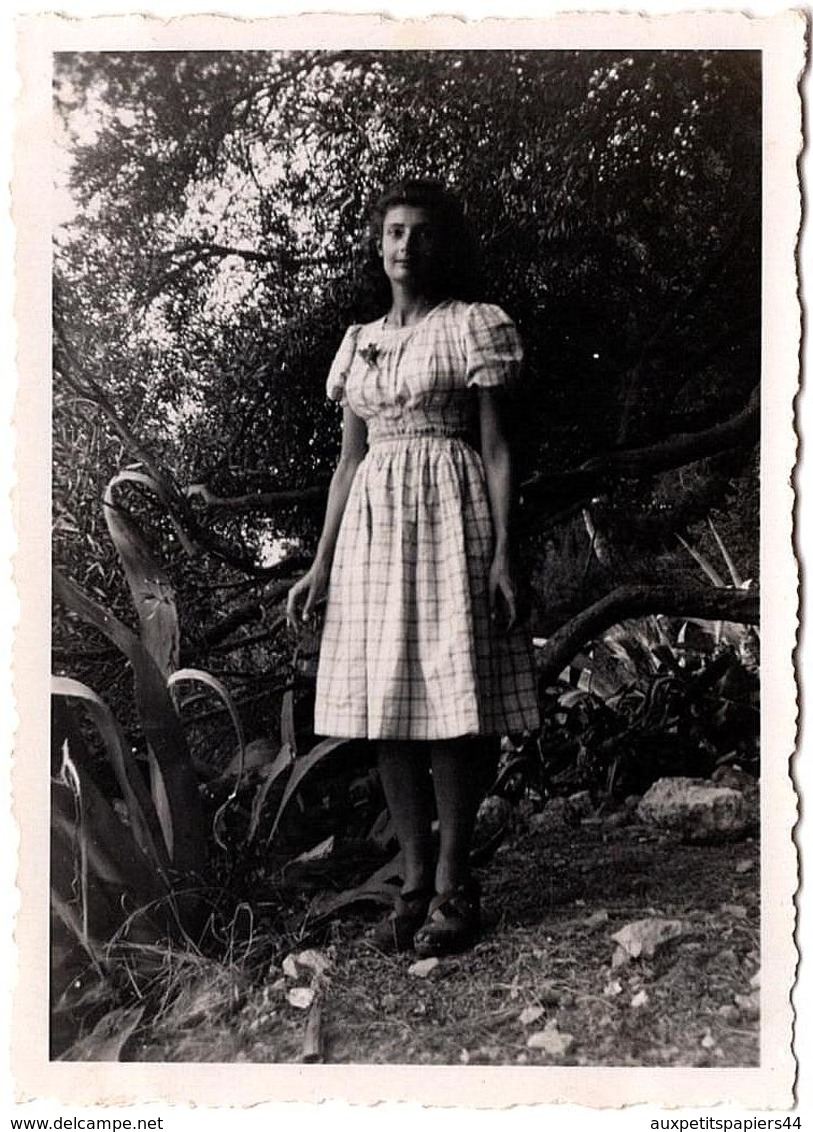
(409, 246)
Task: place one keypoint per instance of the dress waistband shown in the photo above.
(417, 432)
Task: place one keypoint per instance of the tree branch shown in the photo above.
(562, 490)
(676, 600)
(257, 501)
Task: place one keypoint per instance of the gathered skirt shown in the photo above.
(409, 649)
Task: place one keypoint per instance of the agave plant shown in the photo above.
(131, 870)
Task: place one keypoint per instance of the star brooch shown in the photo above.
(371, 354)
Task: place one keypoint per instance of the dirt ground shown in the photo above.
(539, 988)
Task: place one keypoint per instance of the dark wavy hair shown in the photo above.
(458, 273)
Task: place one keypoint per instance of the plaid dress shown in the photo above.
(408, 647)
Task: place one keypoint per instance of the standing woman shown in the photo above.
(421, 652)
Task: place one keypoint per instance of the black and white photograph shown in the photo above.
(419, 465)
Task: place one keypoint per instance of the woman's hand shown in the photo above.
(501, 594)
(310, 589)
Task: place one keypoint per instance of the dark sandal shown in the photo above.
(452, 923)
(396, 932)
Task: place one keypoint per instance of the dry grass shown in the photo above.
(543, 946)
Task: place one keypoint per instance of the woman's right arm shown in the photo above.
(312, 587)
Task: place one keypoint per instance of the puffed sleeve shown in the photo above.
(492, 346)
(340, 367)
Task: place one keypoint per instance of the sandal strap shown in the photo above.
(459, 903)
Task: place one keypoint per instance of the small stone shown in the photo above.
(597, 919)
(738, 911)
(640, 999)
(744, 866)
(424, 967)
(642, 938)
(748, 1004)
(756, 980)
(531, 1014)
(551, 1041)
(494, 815)
(612, 989)
(618, 820)
(729, 1013)
(548, 995)
(289, 967)
(580, 806)
(465, 1057)
(735, 779)
(315, 961)
(708, 1041)
(632, 802)
(301, 997)
(554, 816)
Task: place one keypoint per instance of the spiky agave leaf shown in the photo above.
(281, 763)
(141, 811)
(199, 676)
(302, 768)
(736, 577)
(151, 589)
(165, 738)
(108, 1037)
(711, 573)
(101, 880)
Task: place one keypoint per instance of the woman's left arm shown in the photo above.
(497, 462)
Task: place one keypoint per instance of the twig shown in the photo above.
(312, 1050)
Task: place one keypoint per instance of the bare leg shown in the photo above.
(404, 771)
(462, 770)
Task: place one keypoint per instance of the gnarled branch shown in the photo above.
(676, 600)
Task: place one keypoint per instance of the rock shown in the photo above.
(729, 1013)
(708, 1041)
(744, 866)
(257, 753)
(735, 779)
(697, 810)
(597, 919)
(613, 989)
(495, 815)
(531, 1014)
(643, 938)
(619, 819)
(580, 806)
(756, 981)
(289, 967)
(548, 995)
(632, 802)
(551, 1041)
(748, 1004)
(301, 997)
(640, 999)
(315, 961)
(554, 816)
(424, 967)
